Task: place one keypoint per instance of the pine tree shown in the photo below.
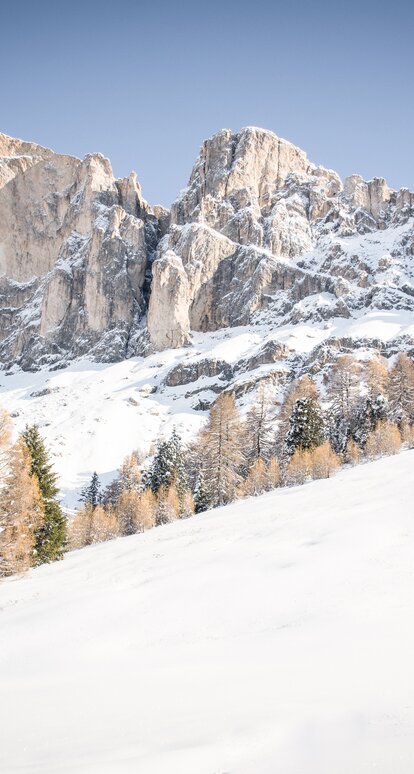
(221, 452)
(51, 535)
(21, 513)
(91, 494)
(306, 430)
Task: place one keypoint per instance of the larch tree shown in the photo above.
(21, 513)
(51, 535)
(260, 427)
(401, 391)
(343, 392)
(221, 450)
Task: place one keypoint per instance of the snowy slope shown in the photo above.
(274, 635)
(92, 415)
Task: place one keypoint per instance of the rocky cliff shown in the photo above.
(261, 236)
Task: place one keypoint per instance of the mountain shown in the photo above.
(261, 236)
(122, 319)
(273, 634)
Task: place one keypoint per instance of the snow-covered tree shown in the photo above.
(201, 495)
(304, 387)
(168, 466)
(91, 494)
(306, 426)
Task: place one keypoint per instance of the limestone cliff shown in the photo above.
(260, 235)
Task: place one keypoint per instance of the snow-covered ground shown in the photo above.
(92, 415)
(274, 635)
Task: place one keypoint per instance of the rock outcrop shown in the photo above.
(260, 235)
(75, 245)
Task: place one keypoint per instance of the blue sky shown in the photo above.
(146, 82)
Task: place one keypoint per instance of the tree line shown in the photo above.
(358, 410)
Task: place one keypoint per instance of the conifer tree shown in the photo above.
(306, 430)
(91, 494)
(21, 513)
(168, 465)
(401, 391)
(304, 387)
(51, 535)
(221, 450)
(343, 392)
(260, 427)
(201, 495)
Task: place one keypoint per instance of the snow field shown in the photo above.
(275, 634)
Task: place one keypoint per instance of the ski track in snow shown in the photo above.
(275, 634)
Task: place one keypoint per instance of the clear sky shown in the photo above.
(145, 82)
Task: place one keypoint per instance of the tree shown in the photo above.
(306, 426)
(91, 494)
(260, 427)
(352, 452)
(377, 379)
(343, 392)
(299, 469)
(168, 465)
(51, 535)
(257, 481)
(104, 525)
(386, 439)
(324, 461)
(304, 387)
(21, 513)
(401, 391)
(201, 495)
(130, 474)
(273, 473)
(79, 530)
(220, 450)
(168, 506)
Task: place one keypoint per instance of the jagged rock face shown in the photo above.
(260, 233)
(74, 249)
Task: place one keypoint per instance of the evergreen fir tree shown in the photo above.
(92, 493)
(201, 495)
(51, 535)
(306, 429)
(168, 466)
